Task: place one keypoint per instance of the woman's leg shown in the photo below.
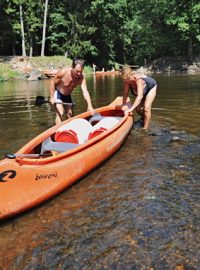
(147, 106)
(139, 108)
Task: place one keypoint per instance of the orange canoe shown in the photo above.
(114, 72)
(49, 73)
(60, 156)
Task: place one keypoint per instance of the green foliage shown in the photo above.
(104, 31)
(185, 16)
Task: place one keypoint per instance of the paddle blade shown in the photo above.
(13, 156)
(10, 156)
(39, 101)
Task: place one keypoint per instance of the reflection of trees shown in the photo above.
(94, 83)
(29, 101)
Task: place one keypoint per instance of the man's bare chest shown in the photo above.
(70, 83)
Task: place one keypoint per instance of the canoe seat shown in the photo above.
(96, 118)
(78, 127)
(106, 123)
(60, 147)
(78, 130)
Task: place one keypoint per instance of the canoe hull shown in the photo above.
(49, 73)
(107, 73)
(24, 186)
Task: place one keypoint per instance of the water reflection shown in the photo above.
(179, 96)
(138, 210)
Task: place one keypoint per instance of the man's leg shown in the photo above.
(59, 113)
(69, 111)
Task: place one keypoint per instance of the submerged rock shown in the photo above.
(175, 139)
(35, 75)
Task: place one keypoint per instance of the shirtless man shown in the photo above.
(62, 85)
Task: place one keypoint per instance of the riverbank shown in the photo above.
(173, 65)
(32, 68)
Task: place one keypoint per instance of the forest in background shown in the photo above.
(101, 31)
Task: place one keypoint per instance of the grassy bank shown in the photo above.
(6, 72)
(17, 67)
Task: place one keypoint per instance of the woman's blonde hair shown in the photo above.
(127, 72)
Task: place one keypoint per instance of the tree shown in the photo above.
(184, 15)
(44, 28)
(22, 30)
(71, 29)
(14, 12)
(102, 31)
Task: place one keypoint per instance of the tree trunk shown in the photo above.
(22, 31)
(13, 47)
(44, 28)
(190, 51)
(31, 47)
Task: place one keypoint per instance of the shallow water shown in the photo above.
(138, 210)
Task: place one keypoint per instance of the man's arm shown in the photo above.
(52, 90)
(87, 95)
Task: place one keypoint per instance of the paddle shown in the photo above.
(13, 156)
(41, 100)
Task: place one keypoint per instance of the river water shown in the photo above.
(138, 210)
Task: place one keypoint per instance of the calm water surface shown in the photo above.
(138, 210)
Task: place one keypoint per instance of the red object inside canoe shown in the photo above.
(96, 132)
(69, 136)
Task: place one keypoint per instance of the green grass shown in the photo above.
(47, 61)
(6, 72)
(57, 62)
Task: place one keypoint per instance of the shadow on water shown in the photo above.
(138, 210)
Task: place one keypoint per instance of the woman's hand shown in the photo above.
(91, 110)
(129, 111)
(125, 108)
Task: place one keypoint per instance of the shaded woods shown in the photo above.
(101, 31)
